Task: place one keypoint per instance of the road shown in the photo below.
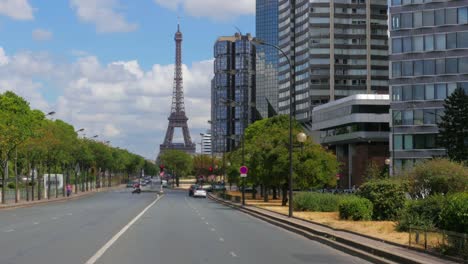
(174, 229)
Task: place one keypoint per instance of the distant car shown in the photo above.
(192, 189)
(164, 183)
(199, 193)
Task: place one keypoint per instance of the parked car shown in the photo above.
(164, 183)
(199, 193)
(192, 189)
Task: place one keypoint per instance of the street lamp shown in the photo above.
(80, 130)
(51, 113)
(291, 115)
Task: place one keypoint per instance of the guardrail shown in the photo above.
(439, 241)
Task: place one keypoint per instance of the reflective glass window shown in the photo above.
(429, 67)
(439, 17)
(440, 42)
(396, 93)
(451, 65)
(451, 87)
(418, 68)
(429, 92)
(397, 45)
(440, 66)
(463, 65)
(407, 68)
(429, 42)
(407, 93)
(429, 116)
(418, 19)
(419, 142)
(451, 16)
(406, 20)
(408, 142)
(462, 15)
(418, 117)
(451, 40)
(462, 40)
(407, 44)
(396, 69)
(397, 118)
(418, 92)
(397, 142)
(428, 18)
(408, 117)
(418, 43)
(441, 91)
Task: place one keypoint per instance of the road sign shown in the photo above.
(243, 175)
(243, 170)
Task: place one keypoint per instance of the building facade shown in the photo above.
(233, 91)
(356, 129)
(267, 57)
(206, 143)
(337, 48)
(429, 60)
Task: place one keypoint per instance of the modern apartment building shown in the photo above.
(267, 57)
(233, 91)
(429, 60)
(337, 47)
(205, 143)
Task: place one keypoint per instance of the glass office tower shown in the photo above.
(429, 60)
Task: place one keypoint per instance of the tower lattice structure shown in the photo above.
(178, 118)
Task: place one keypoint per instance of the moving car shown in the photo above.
(164, 183)
(192, 189)
(199, 193)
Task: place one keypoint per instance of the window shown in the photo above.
(451, 40)
(451, 65)
(440, 41)
(418, 67)
(407, 44)
(408, 117)
(418, 43)
(407, 68)
(397, 142)
(408, 141)
(428, 18)
(429, 116)
(418, 19)
(429, 67)
(418, 92)
(462, 15)
(462, 40)
(430, 141)
(396, 93)
(419, 142)
(418, 117)
(439, 115)
(463, 65)
(397, 118)
(440, 17)
(429, 92)
(451, 16)
(451, 87)
(396, 69)
(396, 22)
(407, 93)
(441, 91)
(407, 20)
(397, 45)
(440, 66)
(429, 42)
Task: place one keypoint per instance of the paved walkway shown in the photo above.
(24, 203)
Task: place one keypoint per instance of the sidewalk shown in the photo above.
(73, 196)
(362, 246)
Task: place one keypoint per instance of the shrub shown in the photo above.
(356, 209)
(387, 196)
(454, 215)
(11, 185)
(438, 176)
(318, 202)
(423, 213)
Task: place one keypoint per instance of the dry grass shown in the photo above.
(384, 230)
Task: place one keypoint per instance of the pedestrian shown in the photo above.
(69, 189)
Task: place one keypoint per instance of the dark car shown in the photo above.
(192, 189)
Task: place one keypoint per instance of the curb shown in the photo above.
(59, 200)
(354, 248)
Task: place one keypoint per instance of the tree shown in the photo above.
(17, 124)
(454, 126)
(178, 161)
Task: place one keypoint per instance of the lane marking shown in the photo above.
(233, 254)
(9, 230)
(35, 223)
(69, 214)
(212, 229)
(221, 239)
(109, 243)
(54, 218)
(207, 223)
(203, 218)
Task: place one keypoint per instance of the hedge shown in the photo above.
(318, 202)
(454, 215)
(422, 213)
(356, 209)
(387, 196)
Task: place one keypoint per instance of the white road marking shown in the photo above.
(35, 223)
(233, 254)
(212, 229)
(221, 239)
(9, 230)
(207, 223)
(54, 218)
(109, 243)
(69, 214)
(203, 218)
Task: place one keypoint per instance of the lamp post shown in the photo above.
(291, 116)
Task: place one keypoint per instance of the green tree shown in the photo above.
(17, 124)
(177, 161)
(454, 126)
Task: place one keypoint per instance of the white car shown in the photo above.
(199, 193)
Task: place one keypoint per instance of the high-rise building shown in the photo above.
(233, 91)
(429, 60)
(205, 143)
(267, 57)
(337, 47)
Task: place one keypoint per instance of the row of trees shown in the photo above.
(32, 145)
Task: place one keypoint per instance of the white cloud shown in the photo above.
(16, 9)
(119, 101)
(104, 14)
(41, 34)
(220, 10)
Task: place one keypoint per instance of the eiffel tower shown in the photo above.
(178, 117)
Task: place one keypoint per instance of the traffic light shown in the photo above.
(210, 169)
(161, 168)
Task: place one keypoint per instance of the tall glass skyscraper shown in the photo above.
(429, 60)
(267, 57)
(233, 91)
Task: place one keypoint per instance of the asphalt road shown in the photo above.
(175, 229)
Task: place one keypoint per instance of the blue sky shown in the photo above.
(106, 65)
